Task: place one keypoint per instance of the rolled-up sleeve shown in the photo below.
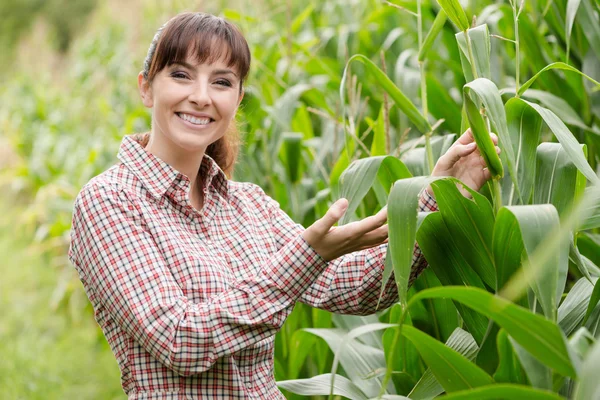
(126, 276)
(350, 284)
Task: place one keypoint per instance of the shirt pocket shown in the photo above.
(201, 274)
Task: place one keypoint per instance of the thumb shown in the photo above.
(332, 215)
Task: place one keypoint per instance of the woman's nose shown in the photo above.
(200, 94)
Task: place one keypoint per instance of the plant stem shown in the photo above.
(517, 49)
(471, 57)
(428, 150)
(496, 194)
(397, 338)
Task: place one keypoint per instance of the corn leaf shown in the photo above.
(320, 384)
(456, 13)
(402, 102)
(451, 369)
(470, 223)
(572, 311)
(436, 28)
(556, 65)
(480, 46)
(534, 223)
(588, 386)
(402, 222)
(524, 128)
(488, 93)
(358, 178)
(428, 387)
(503, 391)
(451, 268)
(570, 145)
(542, 338)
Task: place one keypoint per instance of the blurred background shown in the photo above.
(68, 94)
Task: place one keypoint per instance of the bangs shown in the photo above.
(206, 39)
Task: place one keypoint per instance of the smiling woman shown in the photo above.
(192, 274)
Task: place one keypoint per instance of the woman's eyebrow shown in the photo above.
(216, 72)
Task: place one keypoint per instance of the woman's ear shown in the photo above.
(145, 90)
(241, 97)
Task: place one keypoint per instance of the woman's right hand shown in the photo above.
(331, 242)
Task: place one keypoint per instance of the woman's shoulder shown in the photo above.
(115, 182)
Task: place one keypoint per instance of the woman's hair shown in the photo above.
(209, 38)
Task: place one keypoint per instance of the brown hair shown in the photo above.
(209, 38)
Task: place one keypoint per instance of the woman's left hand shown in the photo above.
(464, 161)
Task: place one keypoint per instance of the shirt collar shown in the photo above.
(157, 176)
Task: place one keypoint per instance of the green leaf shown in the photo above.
(509, 368)
(556, 177)
(503, 391)
(592, 219)
(542, 338)
(488, 93)
(450, 268)
(573, 309)
(524, 128)
(535, 223)
(358, 178)
(378, 146)
(291, 155)
(456, 13)
(539, 375)
(594, 299)
(452, 370)
(480, 43)
(482, 138)
(436, 28)
(402, 222)
(471, 224)
(428, 386)
(402, 102)
(320, 384)
(572, 7)
(588, 386)
(556, 65)
(357, 359)
(566, 138)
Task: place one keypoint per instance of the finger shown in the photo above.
(332, 216)
(455, 153)
(498, 150)
(376, 236)
(361, 228)
(487, 175)
(466, 137)
(494, 137)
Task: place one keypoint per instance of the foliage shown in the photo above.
(511, 294)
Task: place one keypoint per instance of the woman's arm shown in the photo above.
(350, 284)
(126, 276)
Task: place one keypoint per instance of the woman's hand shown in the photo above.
(334, 241)
(464, 161)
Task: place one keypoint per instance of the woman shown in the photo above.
(191, 274)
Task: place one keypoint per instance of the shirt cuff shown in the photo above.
(427, 202)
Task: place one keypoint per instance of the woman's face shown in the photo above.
(193, 104)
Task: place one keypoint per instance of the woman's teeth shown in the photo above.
(193, 120)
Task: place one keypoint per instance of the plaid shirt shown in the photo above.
(190, 301)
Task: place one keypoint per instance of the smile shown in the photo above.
(194, 120)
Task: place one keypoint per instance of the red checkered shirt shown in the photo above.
(190, 301)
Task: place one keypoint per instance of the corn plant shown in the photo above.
(359, 100)
(502, 257)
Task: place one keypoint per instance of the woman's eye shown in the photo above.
(178, 75)
(224, 82)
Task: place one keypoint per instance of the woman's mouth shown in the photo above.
(195, 121)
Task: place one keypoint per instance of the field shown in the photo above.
(354, 99)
